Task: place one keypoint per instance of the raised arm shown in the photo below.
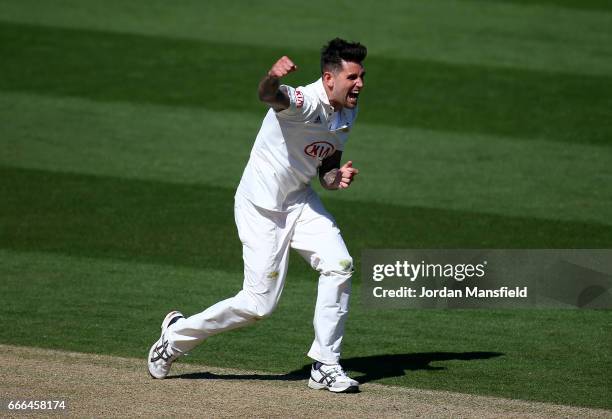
(269, 91)
(332, 176)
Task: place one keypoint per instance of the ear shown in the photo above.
(328, 79)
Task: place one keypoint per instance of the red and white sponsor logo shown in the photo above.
(299, 98)
(319, 149)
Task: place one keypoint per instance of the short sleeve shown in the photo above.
(301, 105)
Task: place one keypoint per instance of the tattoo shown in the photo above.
(270, 93)
(268, 88)
(328, 171)
(330, 177)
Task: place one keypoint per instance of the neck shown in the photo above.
(336, 105)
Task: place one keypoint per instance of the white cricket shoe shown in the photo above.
(161, 354)
(332, 378)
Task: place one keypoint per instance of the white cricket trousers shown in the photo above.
(266, 239)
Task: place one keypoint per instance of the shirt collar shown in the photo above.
(322, 94)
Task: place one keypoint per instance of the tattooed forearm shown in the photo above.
(268, 88)
(328, 180)
(271, 94)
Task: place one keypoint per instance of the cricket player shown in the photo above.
(302, 136)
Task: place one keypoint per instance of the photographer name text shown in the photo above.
(468, 292)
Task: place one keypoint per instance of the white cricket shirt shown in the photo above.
(290, 146)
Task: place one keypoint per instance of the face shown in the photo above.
(343, 87)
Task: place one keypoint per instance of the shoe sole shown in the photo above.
(318, 386)
(164, 326)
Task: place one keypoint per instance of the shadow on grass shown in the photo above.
(373, 367)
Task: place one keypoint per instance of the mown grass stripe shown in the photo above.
(430, 169)
(409, 93)
(192, 225)
(531, 35)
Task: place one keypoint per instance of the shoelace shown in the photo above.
(333, 373)
(339, 371)
(161, 352)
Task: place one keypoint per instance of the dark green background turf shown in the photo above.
(124, 128)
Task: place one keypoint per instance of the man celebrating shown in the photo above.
(302, 135)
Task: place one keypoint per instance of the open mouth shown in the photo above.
(353, 95)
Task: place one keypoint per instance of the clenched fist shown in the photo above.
(282, 67)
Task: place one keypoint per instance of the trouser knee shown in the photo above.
(341, 269)
(258, 306)
(264, 311)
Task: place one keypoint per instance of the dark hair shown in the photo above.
(337, 50)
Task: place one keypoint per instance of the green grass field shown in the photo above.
(125, 126)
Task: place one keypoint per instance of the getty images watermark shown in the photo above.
(542, 278)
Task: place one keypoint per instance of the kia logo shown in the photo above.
(319, 149)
